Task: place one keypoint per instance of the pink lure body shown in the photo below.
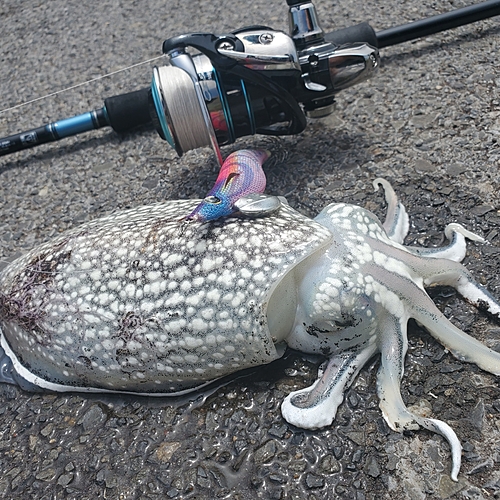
(240, 175)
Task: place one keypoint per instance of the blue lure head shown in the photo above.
(240, 175)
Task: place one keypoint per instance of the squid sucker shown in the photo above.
(148, 301)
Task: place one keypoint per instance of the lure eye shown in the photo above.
(213, 200)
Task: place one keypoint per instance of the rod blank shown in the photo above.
(436, 24)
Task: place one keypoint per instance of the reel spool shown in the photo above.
(228, 89)
(180, 118)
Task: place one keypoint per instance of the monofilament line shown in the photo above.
(80, 84)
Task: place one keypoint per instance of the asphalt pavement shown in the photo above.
(429, 122)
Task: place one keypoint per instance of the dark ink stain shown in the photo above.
(26, 300)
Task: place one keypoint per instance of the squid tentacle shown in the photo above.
(457, 276)
(450, 273)
(396, 226)
(395, 412)
(397, 222)
(422, 309)
(456, 248)
(316, 406)
(440, 271)
(462, 345)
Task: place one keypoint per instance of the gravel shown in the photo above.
(429, 122)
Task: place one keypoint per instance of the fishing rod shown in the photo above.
(255, 80)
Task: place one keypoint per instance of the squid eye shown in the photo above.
(212, 199)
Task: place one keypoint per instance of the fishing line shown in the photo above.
(81, 84)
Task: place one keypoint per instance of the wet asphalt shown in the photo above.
(429, 122)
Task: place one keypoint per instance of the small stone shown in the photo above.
(102, 167)
(353, 400)
(424, 120)
(265, 453)
(455, 169)
(438, 356)
(297, 465)
(314, 482)
(32, 442)
(65, 479)
(372, 468)
(46, 474)
(94, 417)
(392, 461)
(329, 465)
(477, 415)
(165, 451)
(150, 183)
(106, 476)
(467, 447)
(382, 426)
(47, 430)
(278, 430)
(358, 437)
(356, 456)
(424, 166)
(240, 445)
(297, 438)
(276, 478)
(471, 456)
(450, 368)
(481, 209)
(437, 381)
(202, 478)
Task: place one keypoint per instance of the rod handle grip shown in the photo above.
(125, 112)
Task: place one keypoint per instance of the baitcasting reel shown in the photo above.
(256, 80)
